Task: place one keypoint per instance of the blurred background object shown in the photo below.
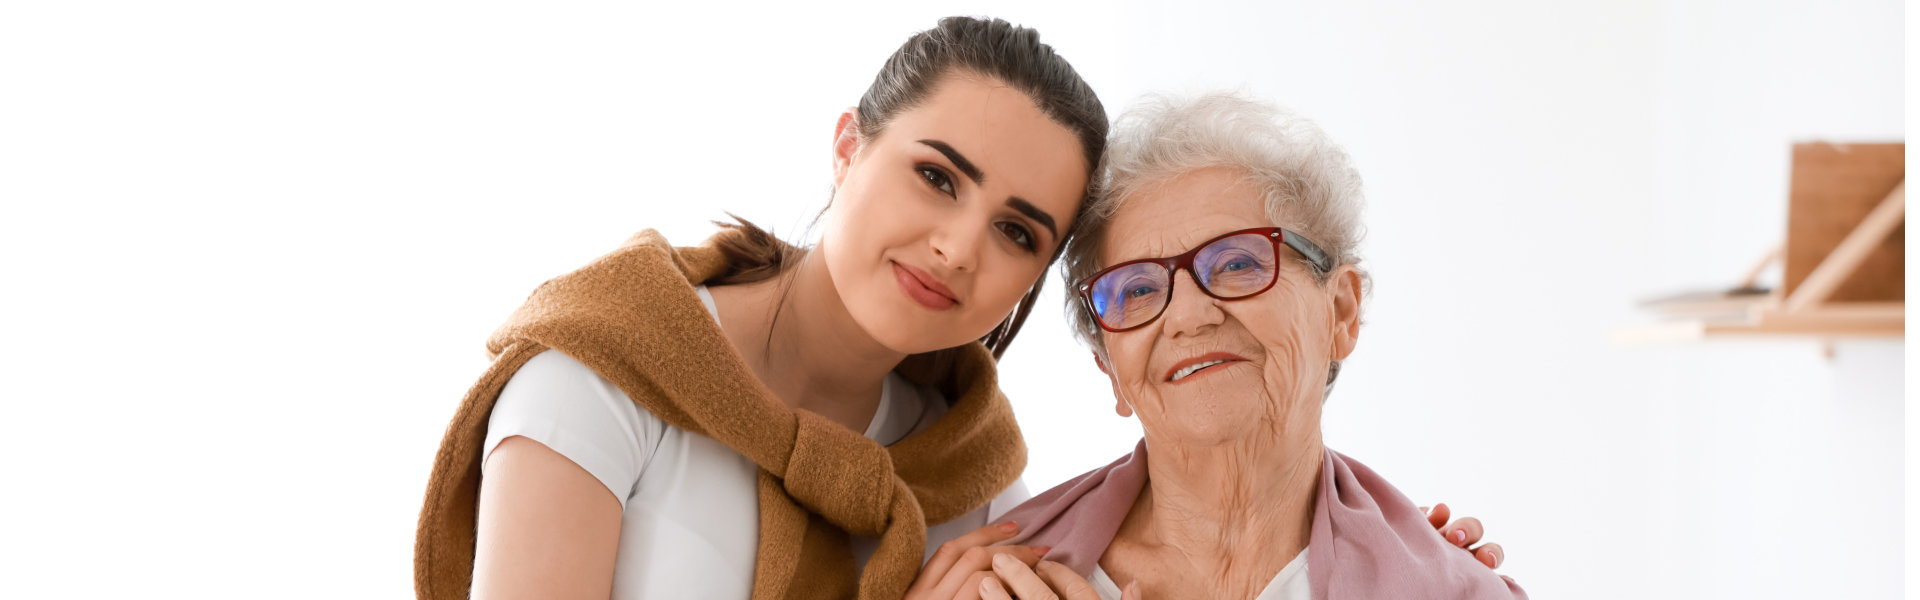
(1845, 259)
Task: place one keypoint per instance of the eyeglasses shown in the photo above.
(1243, 263)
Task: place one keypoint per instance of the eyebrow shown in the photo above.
(966, 166)
(1015, 202)
(1034, 212)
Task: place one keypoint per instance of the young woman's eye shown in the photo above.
(1019, 235)
(937, 178)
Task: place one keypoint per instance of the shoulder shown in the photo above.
(552, 370)
(552, 381)
(557, 385)
(1015, 495)
(563, 404)
(941, 533)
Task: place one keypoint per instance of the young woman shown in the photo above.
(747, 418)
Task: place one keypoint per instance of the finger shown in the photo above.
(1021, 578)
(1438, 517)
(1062, 579)
(949, 553)
(1491, 554)
(970, 591)
(1132, 592)
(979, 559)
(1464, 532)
(990, 589)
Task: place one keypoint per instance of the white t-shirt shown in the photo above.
(1289, 584)
(690, 511)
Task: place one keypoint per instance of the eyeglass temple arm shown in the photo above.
(1301, 244)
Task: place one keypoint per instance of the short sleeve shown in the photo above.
(566, 406)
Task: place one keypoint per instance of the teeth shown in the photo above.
(1183, 373)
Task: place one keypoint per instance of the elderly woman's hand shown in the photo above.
(1463, 533)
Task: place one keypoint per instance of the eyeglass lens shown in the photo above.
(1230, 267)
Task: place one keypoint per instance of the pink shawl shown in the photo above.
(1368, 540)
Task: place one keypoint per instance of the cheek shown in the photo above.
(1003, 278)
(1292, 313)
(869, 195)
(1295, 339)
(865, 219)
(1129, 353)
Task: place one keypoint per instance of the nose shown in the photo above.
(957, 244)
(1189, 310)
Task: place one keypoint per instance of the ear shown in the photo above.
(1119, 402)
(846, 143)
(1344, 286)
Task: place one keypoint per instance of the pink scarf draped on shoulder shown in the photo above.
(1368, 540)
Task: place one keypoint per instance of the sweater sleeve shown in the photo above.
(566, 406)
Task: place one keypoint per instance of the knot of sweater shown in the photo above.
(841, 475)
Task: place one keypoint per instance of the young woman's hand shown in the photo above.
(1047, 580)
(1464, 533)
(958, 567)
(1016, 572)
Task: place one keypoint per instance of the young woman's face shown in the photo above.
(943, 221)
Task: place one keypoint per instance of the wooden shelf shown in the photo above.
(1844, 259)
(1767, 320)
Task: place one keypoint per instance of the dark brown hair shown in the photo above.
(989, 47)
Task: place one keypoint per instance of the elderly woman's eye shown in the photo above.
(936, 178)
(1141, 291)
(1237, 264)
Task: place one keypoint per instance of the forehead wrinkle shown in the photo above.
(1169, 244)
(1180, 194)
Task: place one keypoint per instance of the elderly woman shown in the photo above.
(1218, 286)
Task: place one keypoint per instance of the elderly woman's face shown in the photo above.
(1276, 346)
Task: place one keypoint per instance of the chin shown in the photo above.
(902, 331)
(897, 323)
(1212, 419)
(1219, 432)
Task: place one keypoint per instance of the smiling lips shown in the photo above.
(1185, 370)
(923, 288)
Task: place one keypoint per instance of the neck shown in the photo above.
(797, 335)
(1225, 517)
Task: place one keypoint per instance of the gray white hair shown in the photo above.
(1309, 183)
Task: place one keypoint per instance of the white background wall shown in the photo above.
(251, 250)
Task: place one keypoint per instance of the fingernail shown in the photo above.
(986, 583)
(1002, 560)
(1133, 590)
(1009, 526)
(1458, 536)
(1491, 561)
(1042, 550)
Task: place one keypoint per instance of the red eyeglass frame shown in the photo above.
(1173, 264)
